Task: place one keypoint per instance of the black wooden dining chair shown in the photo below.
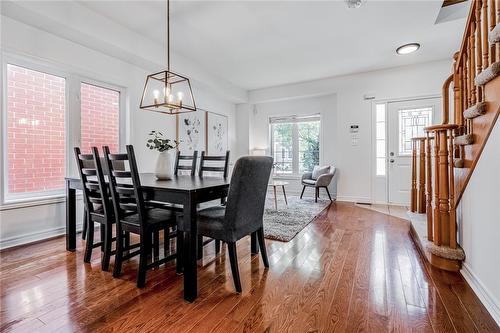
(243, 213)
(132, 215)
(189, 167)
(97, 205)
(90, 165)
(223, 159)
(220, 165)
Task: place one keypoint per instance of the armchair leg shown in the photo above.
(328, 192)
(303, 189)
(316, 195)
(233, 258)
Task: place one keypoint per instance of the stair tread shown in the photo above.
(464, 140)
(475, 111)
(488, 74)
(495, 35)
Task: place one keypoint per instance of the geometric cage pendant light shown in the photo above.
(166, 91)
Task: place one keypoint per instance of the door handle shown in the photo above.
(391, 160)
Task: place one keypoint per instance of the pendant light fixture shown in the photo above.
(166, 91)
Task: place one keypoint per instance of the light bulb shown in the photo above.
(180, 95)
(156, 94)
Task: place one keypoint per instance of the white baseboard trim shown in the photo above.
(354, 199)
(489, 301)
(34, 237)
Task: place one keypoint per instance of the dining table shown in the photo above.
(188, 191)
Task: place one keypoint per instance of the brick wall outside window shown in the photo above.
(35, 130)
(99, 118)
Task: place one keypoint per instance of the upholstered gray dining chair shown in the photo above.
(320, 177)
(244, 210)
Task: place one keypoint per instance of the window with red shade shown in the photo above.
(35, 133)
(100, 117)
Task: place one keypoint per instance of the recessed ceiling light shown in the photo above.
(408, 48)
(354, 3)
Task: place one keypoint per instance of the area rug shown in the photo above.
(286, 222)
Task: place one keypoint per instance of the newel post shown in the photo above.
(413, 193)
(421, 176)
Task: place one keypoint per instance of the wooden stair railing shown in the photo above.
(449, 152)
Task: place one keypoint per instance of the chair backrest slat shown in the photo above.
(210, 168)
(193, 158)
(122, 174)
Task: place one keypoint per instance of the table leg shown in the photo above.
(190, 251)
(275, 199)
(284, 194)
(70, 218)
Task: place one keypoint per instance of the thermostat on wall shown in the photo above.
(354, 129)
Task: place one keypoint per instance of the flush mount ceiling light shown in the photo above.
(354, 3)
(407, 48)
(166, 91)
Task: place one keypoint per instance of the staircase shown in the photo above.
(444, 160)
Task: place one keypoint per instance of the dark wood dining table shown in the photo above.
(188, 191)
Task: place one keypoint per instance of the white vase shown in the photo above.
(164, 166)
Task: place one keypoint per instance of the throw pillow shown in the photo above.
(318, 171)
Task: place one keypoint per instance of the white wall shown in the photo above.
(479, 226)
(349, 107)
(18, 223)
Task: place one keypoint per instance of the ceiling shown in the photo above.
(257, 44)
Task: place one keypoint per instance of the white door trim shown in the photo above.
(373, 164)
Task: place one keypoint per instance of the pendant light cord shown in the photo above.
(167, 28)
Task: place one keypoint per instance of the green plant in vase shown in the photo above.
(164, 162)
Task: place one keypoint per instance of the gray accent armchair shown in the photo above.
(323, 181)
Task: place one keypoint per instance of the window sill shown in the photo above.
(32, 202)
(286, 177)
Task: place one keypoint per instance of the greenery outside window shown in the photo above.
(295, 144)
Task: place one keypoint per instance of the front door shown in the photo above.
(406, 119)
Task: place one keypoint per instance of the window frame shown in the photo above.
(295, 119)
(72, 122)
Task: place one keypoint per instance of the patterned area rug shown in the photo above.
(286, 222)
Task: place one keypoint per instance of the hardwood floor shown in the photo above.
(352, 269)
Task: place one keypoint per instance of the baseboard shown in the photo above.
(354, 199)
(34, 237)
(491, 304)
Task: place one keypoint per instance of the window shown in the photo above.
(35, 132)
(380, 153)
(295, 144)
(48, 113)
(411, 124)
(100, 111)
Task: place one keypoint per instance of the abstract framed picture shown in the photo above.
(216, 133)
(191, 127)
